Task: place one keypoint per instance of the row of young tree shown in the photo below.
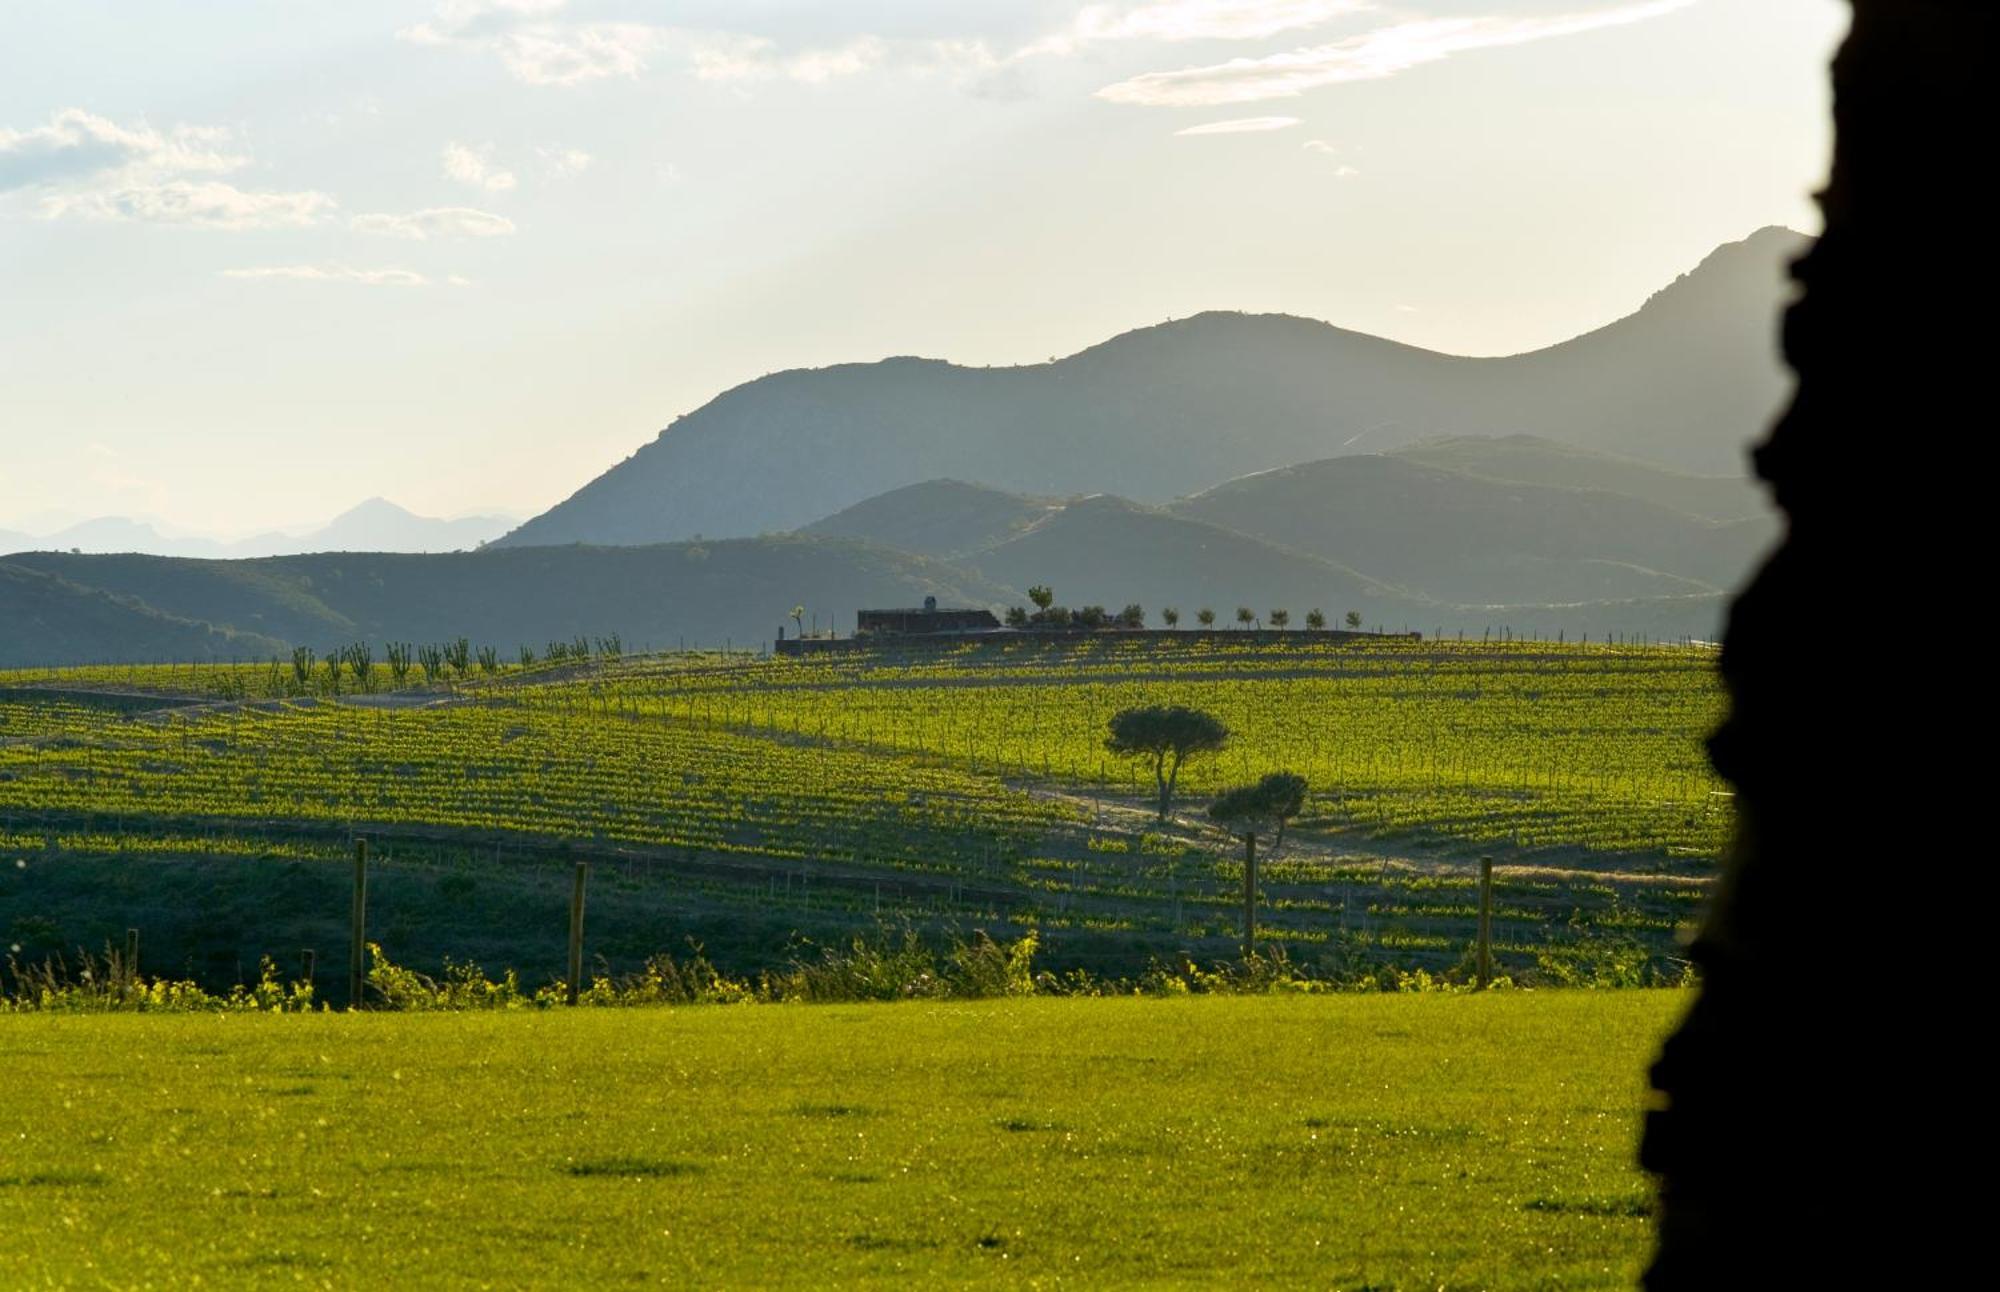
(1048, 615)
(354, 668)
(1168, 737)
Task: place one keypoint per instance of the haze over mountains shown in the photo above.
(376, 525)
(1226, 460)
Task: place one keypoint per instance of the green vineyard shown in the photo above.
(748, 803)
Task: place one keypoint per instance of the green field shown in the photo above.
(748, 803)
(1403, 1141)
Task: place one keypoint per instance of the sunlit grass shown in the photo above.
(1384, 1141)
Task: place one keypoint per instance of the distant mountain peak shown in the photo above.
(377, 506)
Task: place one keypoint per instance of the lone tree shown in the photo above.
(1245, 616)
(1170, 617)
(1169, 735)
(1281, 618)
(1042, 596)
(1354, 621)
(1251, 811)
(1205, 617)
(1315, 619)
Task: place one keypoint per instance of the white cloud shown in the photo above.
(1194, 20)
(333, 274)
(76, 144)
(435, 222)
(87, 166)
(1371, 56)
(538, 46)
(210, 204)
(469, 19)
(471, 167)
(563, 163)
(550, 55)
(1241, 126)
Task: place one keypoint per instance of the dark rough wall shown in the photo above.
(1808, 1113)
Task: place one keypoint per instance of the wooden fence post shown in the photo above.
(308, 966)
(1249, 897)
(357, 949)
(1485, 922)
(576, 931)
(131, 955)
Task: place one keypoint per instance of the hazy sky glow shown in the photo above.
(260, 259)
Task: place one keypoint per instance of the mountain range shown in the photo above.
(376, 525)
(1222, 461)
(1685, 382)
(1434, 548)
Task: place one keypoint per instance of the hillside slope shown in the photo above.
(1685, 382)
(1465, 539)
(1533, 459)
(700, 593)
(1112, 552)
(49, 620)
(937, 518)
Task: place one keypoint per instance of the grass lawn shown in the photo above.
(1354, 1141)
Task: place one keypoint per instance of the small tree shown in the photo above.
(1245, 616)
(1170, 617)
(1205, 617)
(361, 658)
(799, 618)
(333, 663)
(1169, 735)
(1017, 616)
(1257, 810)
(1091, 618)
(1042, 596)
(1315, 619)
(1132, 616)
(432, 658)
(400, 659)
(302, 667)
(1280, 618)
(1354, 621)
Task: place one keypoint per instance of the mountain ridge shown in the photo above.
(375, 524)
(1158, 412)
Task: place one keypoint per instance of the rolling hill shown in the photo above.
(1112, 552)
(1467, 539)
(699, 593)
(1531, 459)
(938, 518)
(45, 619)
(1684, 383)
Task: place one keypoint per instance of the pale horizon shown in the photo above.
(468, 255)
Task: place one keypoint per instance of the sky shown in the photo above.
(261, 259)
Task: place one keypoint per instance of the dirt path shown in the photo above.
(1134, 816)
